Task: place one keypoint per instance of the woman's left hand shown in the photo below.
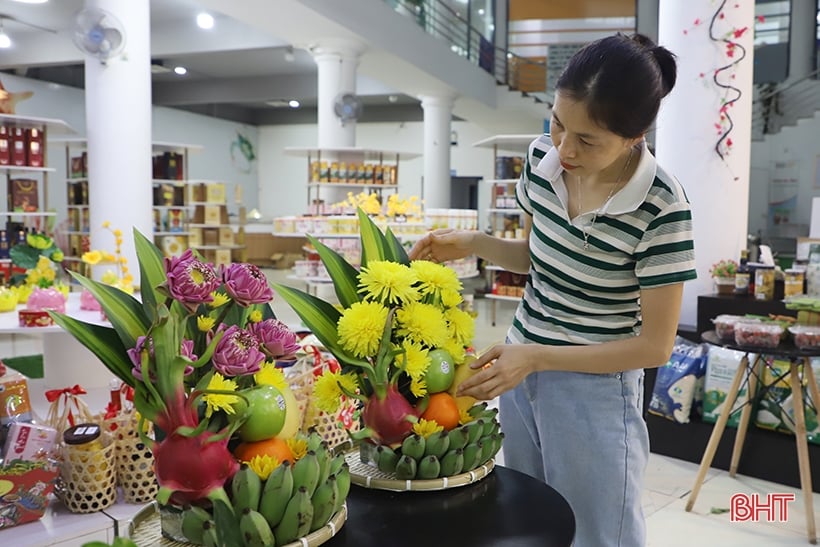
(504, 367)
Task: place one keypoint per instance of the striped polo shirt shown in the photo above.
(641, 238)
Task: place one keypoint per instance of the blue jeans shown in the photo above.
(584, 435)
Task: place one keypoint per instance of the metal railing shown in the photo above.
(779, 105)
(439, 20)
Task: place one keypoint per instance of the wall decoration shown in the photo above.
(9, 100)
(242, 153)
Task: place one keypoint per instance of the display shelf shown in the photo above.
(28, 214)
(367, 154)
(500, 181)
(25, 169)
(502, 297)
(505, 211)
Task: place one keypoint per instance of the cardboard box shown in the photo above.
(23, 195)
(215, 192)
(212, 214)
(226, 236)
(210, 236)
(222, 256)
(18, 146)
(195, 237)
(29, 486)
(5, 145)
(34, 147)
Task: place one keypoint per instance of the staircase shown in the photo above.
(780, 105)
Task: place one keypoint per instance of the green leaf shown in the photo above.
(345, 277)
(102, 342)
(125, 312)
(374, 244)
(24, 256)
(227, 524)
(398, 253)
(152, 273)
(319, 317)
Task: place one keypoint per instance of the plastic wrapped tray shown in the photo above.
(760, 334)
(725, 325)
(806, 336)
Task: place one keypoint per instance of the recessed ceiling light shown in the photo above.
(181, 70)
(293, 103)
(205, 20)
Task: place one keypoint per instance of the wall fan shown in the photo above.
(348, 107)
(98, 33)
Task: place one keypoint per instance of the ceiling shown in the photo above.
(235, 71)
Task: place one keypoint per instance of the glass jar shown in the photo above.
(793, 282)
(764, 283)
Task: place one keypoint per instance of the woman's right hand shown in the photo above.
(443, 245)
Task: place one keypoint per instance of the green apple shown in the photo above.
(440, 372)
(267, 413)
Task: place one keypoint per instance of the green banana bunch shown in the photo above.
(489, 426)
(296, 521)
(386, 458)
(428, 468)
(485, 445)
(472, 453)
(475, 410)
(336, 463)
(246, 489)
(413, 446)
(255, 529)
(314, 440)
(324, 501)
(475, 429)
(452, 463)
(209, 537)
(276, 493)
(323, 457)
(306, 472)
(458, 437)
(406, 468)
(437, 444)
(193, 519)
(342, 485)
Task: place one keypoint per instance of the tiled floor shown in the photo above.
(668, 480)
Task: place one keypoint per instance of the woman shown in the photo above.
(608, 247)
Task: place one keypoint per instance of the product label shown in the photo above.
(14, 401)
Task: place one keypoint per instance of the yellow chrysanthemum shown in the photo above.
(455, 349)
(361, 326)
(326, 391)
(461, 325)
(220, 299)
(255, 316)
(435, 278)
(425, 428)
(387, 282)
(205, 323)
(422, 323)
(464, 416)
(215, 401)
(451, 299)
(263, 465)
(269, 375)
(418, 387)
(417, 361)
(298, 447)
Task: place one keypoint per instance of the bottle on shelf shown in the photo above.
(4, 244)
(742, 276)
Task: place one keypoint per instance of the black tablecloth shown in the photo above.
(507, 508)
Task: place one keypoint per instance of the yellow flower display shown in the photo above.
(435, 279)
(218, 401)
(270, 375)
(298, 447)
(390, 283)
(361, 327)
(219, 299)
(263, 465)
(460, 325)
(425, 428)
(328, 390)
(422, 323)
(120, 277)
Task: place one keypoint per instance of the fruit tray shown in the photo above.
(145, 530)
(368, 476)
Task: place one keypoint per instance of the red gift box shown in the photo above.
(34, 147)
(24, 491)
(34, 318)
(18, 146)
(5, 145)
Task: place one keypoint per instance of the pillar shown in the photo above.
(438, 113)
(717, 188)
(336, 62)
(118, 126)
(802, 39)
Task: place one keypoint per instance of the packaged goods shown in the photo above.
(677, 382)
(30, 442)
(725, 326)
(761, 335)
(806, 336)
(721, 366)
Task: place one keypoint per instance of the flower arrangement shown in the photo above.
(404, 344)
(198, 351)
(120, 277)
(39, 256)
(726, 268)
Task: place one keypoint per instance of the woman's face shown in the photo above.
(584, 147)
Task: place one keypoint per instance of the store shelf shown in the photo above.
(77, 179)
(28, 214)
(53, 126)
(172, 234)
(502, 297)
(501, 181)
(217, 247)
(350, 185)
(506, 211)
(507, 142)
(26, 169)
(364, 154)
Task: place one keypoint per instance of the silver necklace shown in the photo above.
(615, 186)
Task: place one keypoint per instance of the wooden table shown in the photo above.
(750, 372)
(505, 508)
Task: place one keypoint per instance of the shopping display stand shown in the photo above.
(800, 366)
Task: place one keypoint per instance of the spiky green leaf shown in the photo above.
(398, 253)
(374, 244)
(152, 272)
(345, 277)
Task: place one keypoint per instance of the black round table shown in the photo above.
(507, 508)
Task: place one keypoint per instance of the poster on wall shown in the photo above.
(783, 193)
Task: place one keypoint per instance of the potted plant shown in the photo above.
(723, 272)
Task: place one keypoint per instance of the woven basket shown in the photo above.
(89, 477)
(135, 463)
(333, 428)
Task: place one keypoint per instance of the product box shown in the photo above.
(34, 318)
(34, 147)
(173, 245)
(222, 256)
(23, 195)
(195, 237)
(24, 491)
(176, 220)
(212, 214)
(79, 166)
(226, 236)
(215, 192)
(18, 146)
(30, 442)
(5, 145)
(210, 236)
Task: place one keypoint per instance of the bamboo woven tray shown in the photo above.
(366, 475)
(145, 530)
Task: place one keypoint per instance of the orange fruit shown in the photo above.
(274, 447)
(443, 409)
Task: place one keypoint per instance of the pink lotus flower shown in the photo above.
(275, 338)
(190, 281)
(237, 353)
(135, 354)
(246, 284)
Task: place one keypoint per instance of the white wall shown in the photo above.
(214, 162)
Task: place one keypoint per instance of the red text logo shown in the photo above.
(755, 508)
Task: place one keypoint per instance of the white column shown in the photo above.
(718, 189)
(438, 113)
(118, 125)
(802, 39)
(336, 62)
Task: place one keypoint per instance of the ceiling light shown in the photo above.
(31, 1)
(481, 11)
(5, 41)
(293, 103)
(392, 98)
(180, 70)
(205, 21)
